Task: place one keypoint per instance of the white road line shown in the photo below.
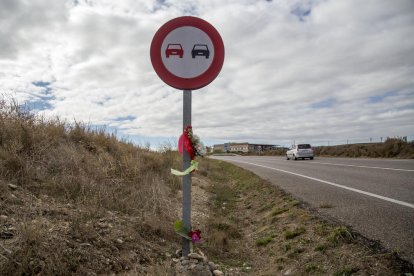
(366, 167)
(359, 166)
(334, 184)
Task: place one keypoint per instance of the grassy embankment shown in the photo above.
(77, 201)
(73, 200)
(391, 148)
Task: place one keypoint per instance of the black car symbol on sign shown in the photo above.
(174, 50)
(200, 50)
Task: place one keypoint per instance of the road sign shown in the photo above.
(187, 53)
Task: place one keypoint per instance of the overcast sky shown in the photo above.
(306, 71)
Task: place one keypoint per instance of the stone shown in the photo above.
(120, 241)
(202, 254)
(12, 186)
(3, 218)
(110, 213)
(218, 273)
(195, 256)
(6, 235)
(193, 261)
(200, 270)
(175, 260)
(195, 264)
(179, 267)
(212, 266)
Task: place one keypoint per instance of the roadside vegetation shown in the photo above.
(77, 201)
(391, 148)
(257, 229)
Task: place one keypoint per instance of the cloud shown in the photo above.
(310, 70)
(23, 24)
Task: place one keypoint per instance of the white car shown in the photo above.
(300, 151)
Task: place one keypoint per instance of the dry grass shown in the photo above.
(81, 165)
(85, 202)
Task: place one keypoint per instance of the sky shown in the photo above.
(314, 71)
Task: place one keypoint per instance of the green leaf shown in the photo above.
(181, 230)
(178, 225)
(183, 234)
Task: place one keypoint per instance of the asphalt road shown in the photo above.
(375, 197)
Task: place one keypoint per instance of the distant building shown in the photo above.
(243, 147)
(218, 148)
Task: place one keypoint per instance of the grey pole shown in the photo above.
(186, 178)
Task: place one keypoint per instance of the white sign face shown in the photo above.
(187, 52)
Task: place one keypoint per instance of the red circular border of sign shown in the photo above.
(187, 83)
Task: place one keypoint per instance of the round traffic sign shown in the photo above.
(187, 53)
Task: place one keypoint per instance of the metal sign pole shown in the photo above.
(186, 182)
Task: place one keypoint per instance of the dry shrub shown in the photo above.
(218, 240)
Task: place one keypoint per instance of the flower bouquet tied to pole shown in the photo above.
(193, 146)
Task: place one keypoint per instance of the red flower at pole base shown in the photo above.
(195, 236)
